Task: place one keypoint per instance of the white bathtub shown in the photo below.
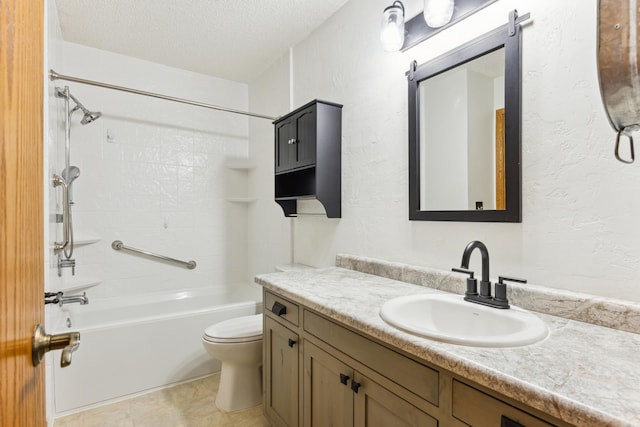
(132, 345)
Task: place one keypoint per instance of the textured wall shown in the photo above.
(580, 205)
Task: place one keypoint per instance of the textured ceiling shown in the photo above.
(231, 39)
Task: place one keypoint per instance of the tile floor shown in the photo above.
(186, 405)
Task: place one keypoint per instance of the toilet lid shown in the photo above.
(239, 329)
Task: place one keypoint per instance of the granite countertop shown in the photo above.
(581, 373)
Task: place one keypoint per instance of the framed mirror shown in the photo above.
(464, 132)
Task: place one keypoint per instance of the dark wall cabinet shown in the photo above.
(308, 146)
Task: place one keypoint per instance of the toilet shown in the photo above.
(237, 343)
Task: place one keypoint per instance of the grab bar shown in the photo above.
(57, 181)
(118, 245)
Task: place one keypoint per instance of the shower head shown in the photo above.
(89, 116)
(70, 174)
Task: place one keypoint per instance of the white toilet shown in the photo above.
(237, 343)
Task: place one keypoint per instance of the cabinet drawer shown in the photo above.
(479, 409)
(415, 377)
(281, 308)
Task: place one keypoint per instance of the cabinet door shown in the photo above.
(306, 135)
(375, 406)
(280, 374)
(286, 147)
(327, 396)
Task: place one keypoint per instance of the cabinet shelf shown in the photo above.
(308, 145)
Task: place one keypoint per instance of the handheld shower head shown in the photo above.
(70, 175)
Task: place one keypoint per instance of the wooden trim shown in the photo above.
(501, 179)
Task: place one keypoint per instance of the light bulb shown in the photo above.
(438, 12)
(392, 29)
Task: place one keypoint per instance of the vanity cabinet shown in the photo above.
(334, 375)
(308, 145)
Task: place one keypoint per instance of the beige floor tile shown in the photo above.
(190, 404)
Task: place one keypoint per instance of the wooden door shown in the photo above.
(375, 406)
(21, 210)
(327, 399)
(280, 374)
(501, 179)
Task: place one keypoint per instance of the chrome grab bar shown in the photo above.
(59, 181)
(118, 245)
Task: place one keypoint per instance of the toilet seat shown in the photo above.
(237, 330)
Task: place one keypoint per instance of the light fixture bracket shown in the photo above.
(417, 30)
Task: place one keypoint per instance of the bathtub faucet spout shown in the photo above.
(82, 299)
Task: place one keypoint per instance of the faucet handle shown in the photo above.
(472, 283)
(501, 279)
(463, 270)
(501, 289)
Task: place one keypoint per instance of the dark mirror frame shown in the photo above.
(478, 47)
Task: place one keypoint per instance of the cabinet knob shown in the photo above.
(291, 342)
(291, 141)
(355, 386)
(344, 379)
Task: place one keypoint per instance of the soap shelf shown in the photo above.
(83, 240)
(240, 164)
(78, 285)
(237, 181)
(240, 199)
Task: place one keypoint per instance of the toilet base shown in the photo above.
(240, 387)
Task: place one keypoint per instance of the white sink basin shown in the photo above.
(449, 318)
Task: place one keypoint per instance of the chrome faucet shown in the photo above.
(60, 299)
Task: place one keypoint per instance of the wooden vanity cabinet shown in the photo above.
(336, 376)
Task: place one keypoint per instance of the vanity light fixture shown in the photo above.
(438, 12)
(396, 34)
(392, 31)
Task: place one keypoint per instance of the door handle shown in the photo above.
(42, 343)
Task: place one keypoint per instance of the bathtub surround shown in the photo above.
(561, 376)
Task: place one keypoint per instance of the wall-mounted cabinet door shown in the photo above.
(280, 373)
(285, 147)
(296, 140)
(306, 137)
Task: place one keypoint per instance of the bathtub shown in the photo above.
(138, 344)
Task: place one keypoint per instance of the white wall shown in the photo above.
(580, 206)
(159, 183)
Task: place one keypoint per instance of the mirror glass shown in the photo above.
(462, 136)
(464, 133)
